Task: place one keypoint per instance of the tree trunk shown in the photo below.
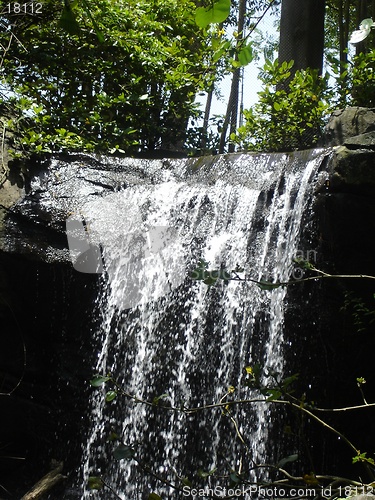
(343, 26)
(232, 104)
(302, 33)
(207, 112)
(231, 116)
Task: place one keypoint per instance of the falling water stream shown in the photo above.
(163, 334)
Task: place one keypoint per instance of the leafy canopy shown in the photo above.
(105, 75)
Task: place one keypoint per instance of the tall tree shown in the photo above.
(232, 107)
(302, 33)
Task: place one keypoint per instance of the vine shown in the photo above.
(277, 391)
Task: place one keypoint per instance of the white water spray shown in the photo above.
(163, 333)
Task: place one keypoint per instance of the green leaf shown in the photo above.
(286, 460)
(199, 272)
(224, 47)
(274, 394)
(95, 483)
(99, 34)
(154, 496)
(304, 264)
(204, 474)
(99, 380)
(245, 55)
(253, 376)
(225, 275)
(361, 457)
(289, 380)
(209, 277)
(215, 14)
(123, 452)
(110, 396)
(113, 436)
(68, 21)
(235, 478)
(210, 280)
(267, 285)
(186, 482)
(156, 400)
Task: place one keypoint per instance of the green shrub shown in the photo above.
(362, 78)
(290, 113)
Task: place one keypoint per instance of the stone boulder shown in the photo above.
(347, 123)
(351, 132)
(363, 497)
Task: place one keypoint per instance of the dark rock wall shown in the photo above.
(46, 316)
(332, 335)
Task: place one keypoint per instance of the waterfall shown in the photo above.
(164, 335)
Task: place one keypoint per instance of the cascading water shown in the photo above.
(165, 334)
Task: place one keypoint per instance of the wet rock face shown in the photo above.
(343, 225)
(34, 211)
(46, 360)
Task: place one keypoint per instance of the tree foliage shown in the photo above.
(106, 75)
(290, 114)
(342, 18)
(124, 76)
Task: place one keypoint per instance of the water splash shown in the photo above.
(171, 335)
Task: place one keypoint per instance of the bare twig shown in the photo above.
(46, 483)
